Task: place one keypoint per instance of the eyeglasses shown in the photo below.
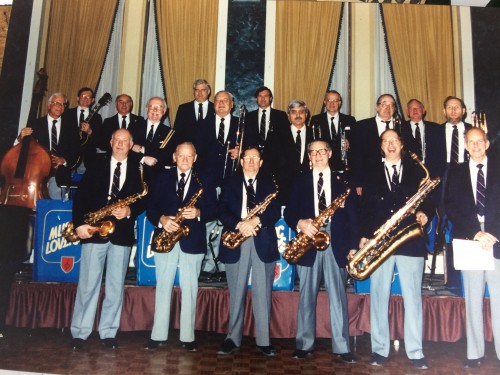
(182, 156)
(253, 157)
(395, 141)
(155, 107)
(322, 152)
(57, 104)
(386, 105)
(85, 96)
(333, 101)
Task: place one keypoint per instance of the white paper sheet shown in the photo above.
(470, 256)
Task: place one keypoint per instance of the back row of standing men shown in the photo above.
(284, 147)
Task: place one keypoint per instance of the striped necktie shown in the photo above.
(115, 187)
(480, 191)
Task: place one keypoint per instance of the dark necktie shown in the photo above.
(53, 137)
(115, 187)
(124, 122)
(82, 116)
(220, 136)
(250, 195)
(262, 130)
(395, 179)
(149, 139)
(334, 132)
(418, 140)
(387, 123)
(480, 191)
(454, 146)
(180, 187)
(321, 194)
(200, 111)
(298, 142)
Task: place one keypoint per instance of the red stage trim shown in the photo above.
(42, 305)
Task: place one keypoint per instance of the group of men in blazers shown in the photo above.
(308, 163)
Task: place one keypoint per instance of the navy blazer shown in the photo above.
(69, 140)
(109, 126)
(435, 151)
(212, 155)
(163, 201)
(266, 242)
(277, 119)
(344, 222)
(347, 124)
(409, 139)
(163, 155)
(461, 205)
(378, 204)
(92, 195)
(284, 160)
(365, 149)
(186, 120)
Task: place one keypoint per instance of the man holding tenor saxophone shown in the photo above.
(311, 193)
(103, 184)
(179, 198)
(258, 252)
(388, 187)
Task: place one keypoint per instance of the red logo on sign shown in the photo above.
(67, 264)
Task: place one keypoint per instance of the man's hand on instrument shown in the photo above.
(121, 213)
(24, 132)
(138, 148)
(233, 153)
(362, 242)
(85, 127)
(351, 254)
(85, 231)
(149, 160)
(486, 239)
(422, 218)
(305, 225)
(168, 224)
(249, 228)
(191, 213)
(57, 161)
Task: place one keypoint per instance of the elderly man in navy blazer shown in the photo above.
(190, 115)
(172, 191)
(332, 126)
(105, 183)
(388, 187)
(311, 193)
(472, 201)
(258, 254)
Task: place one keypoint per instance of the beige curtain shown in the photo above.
(5, 11)
(77, 38)
(188, 41)
(421, 47)
(306, 35)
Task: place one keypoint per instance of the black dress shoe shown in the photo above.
(77, 344)
(268, 350)
(190, 346)
(153, 344)
(300, 354)
(377, 360)
(228, 347)
(420, 363)
(346, 357)
(473, 363)
(110, 343)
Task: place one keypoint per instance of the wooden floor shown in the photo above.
(47, 351)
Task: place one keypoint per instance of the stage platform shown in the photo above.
(50, 305)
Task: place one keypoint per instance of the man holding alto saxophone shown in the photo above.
(259, 252)
(179, 198)
(311, 193)
(388, 187)
(104, 183)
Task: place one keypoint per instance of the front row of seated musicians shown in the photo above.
(202, 187)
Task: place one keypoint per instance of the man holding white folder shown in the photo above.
(472, 201)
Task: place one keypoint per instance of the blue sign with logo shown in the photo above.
(364, 286)
(283, 276)
(55, 259)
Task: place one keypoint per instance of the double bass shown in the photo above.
(27, 165)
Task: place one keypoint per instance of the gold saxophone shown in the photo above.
(166, 241)
(234, 239)
(302, 243)
(385, 242)
(95, 219)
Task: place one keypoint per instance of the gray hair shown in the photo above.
(295, 104)
(202, 82)
(59, 94)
